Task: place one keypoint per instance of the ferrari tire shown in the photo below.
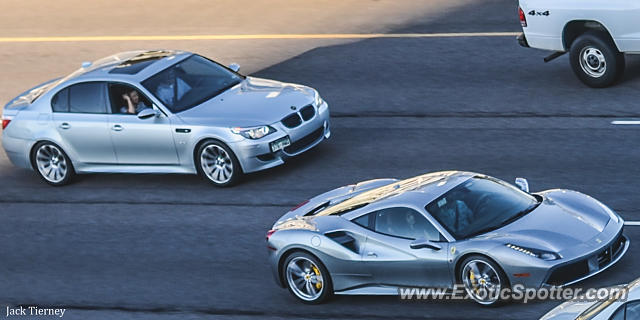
(483, 280)
(307, 278)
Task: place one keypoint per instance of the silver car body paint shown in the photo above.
(592, 230)
(127, 144)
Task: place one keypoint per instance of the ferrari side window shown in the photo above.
(633, 310)
(362, 221)
(404, 223)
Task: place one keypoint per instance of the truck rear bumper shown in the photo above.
(522, 40)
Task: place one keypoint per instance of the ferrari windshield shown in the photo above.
(480, 205)
(190, 82)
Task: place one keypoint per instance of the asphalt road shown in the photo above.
(172, 247)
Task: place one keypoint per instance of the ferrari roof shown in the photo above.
(420, 183)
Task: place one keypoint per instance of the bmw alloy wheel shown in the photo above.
(305, 279)
(51, 163)
(216, 164)
(481, 281)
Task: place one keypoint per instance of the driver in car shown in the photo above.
(456, 212)
(134, 104)
(172, 88)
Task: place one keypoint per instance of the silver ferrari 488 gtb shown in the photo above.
(438, 230)
(161, 112)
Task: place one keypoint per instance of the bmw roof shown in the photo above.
(131, 65)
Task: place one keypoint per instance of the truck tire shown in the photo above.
(595, 60)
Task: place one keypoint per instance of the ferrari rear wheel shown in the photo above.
(483, 280)
(307, 279)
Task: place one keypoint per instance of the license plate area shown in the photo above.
(280, 144)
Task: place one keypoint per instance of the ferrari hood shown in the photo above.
(253, 102)
(554, 226)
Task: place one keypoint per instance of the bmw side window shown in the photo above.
(88, 97)
(60, 102)
(405, 223)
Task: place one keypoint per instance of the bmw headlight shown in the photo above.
(541, 254)
(254, 133)
(319, 103)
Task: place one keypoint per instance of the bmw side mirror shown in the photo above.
(523, 184)
(147, 113)
(235, 67)
(424, 243)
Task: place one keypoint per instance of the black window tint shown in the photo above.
(633, 310)
(87, 98)
(60, 102)
(618, 314)
(405, 223)
(362, 221)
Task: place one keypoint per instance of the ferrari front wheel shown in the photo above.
(483, 280)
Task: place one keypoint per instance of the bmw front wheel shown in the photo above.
(306, 278)
(217, 163)
(483, 280)
(52, 164)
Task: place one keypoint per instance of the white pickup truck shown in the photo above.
(596, 33)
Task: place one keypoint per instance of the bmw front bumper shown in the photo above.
(256, 155)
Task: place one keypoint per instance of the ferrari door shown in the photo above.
(389, 258)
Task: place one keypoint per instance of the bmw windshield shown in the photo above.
(480, 205)
(190, 82)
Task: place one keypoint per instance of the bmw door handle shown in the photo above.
(64, 126)
(117, 127)
(372, 254)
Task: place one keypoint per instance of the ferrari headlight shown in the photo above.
(254, 132)
(544, 255)
(614, 216)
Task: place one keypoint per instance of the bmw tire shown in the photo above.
(217, 164)
(51, 163)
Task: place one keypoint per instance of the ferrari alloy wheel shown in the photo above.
(483, 280)
(306, 278)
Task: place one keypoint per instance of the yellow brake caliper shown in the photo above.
(317, 272)
(472, 277)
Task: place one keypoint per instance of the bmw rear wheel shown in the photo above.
(52, 164)
(483, 280)
(306, 278)
(217, 163)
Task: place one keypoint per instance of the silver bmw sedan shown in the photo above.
(161, 112)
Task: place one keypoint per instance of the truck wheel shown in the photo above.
(595, 60)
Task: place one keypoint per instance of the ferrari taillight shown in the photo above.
(269, 233)
(5, 123)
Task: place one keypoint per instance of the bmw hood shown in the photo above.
(563, 220)
(254, 101)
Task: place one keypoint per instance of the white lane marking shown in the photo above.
(626, 122)
(257, 36)
(632, 223)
